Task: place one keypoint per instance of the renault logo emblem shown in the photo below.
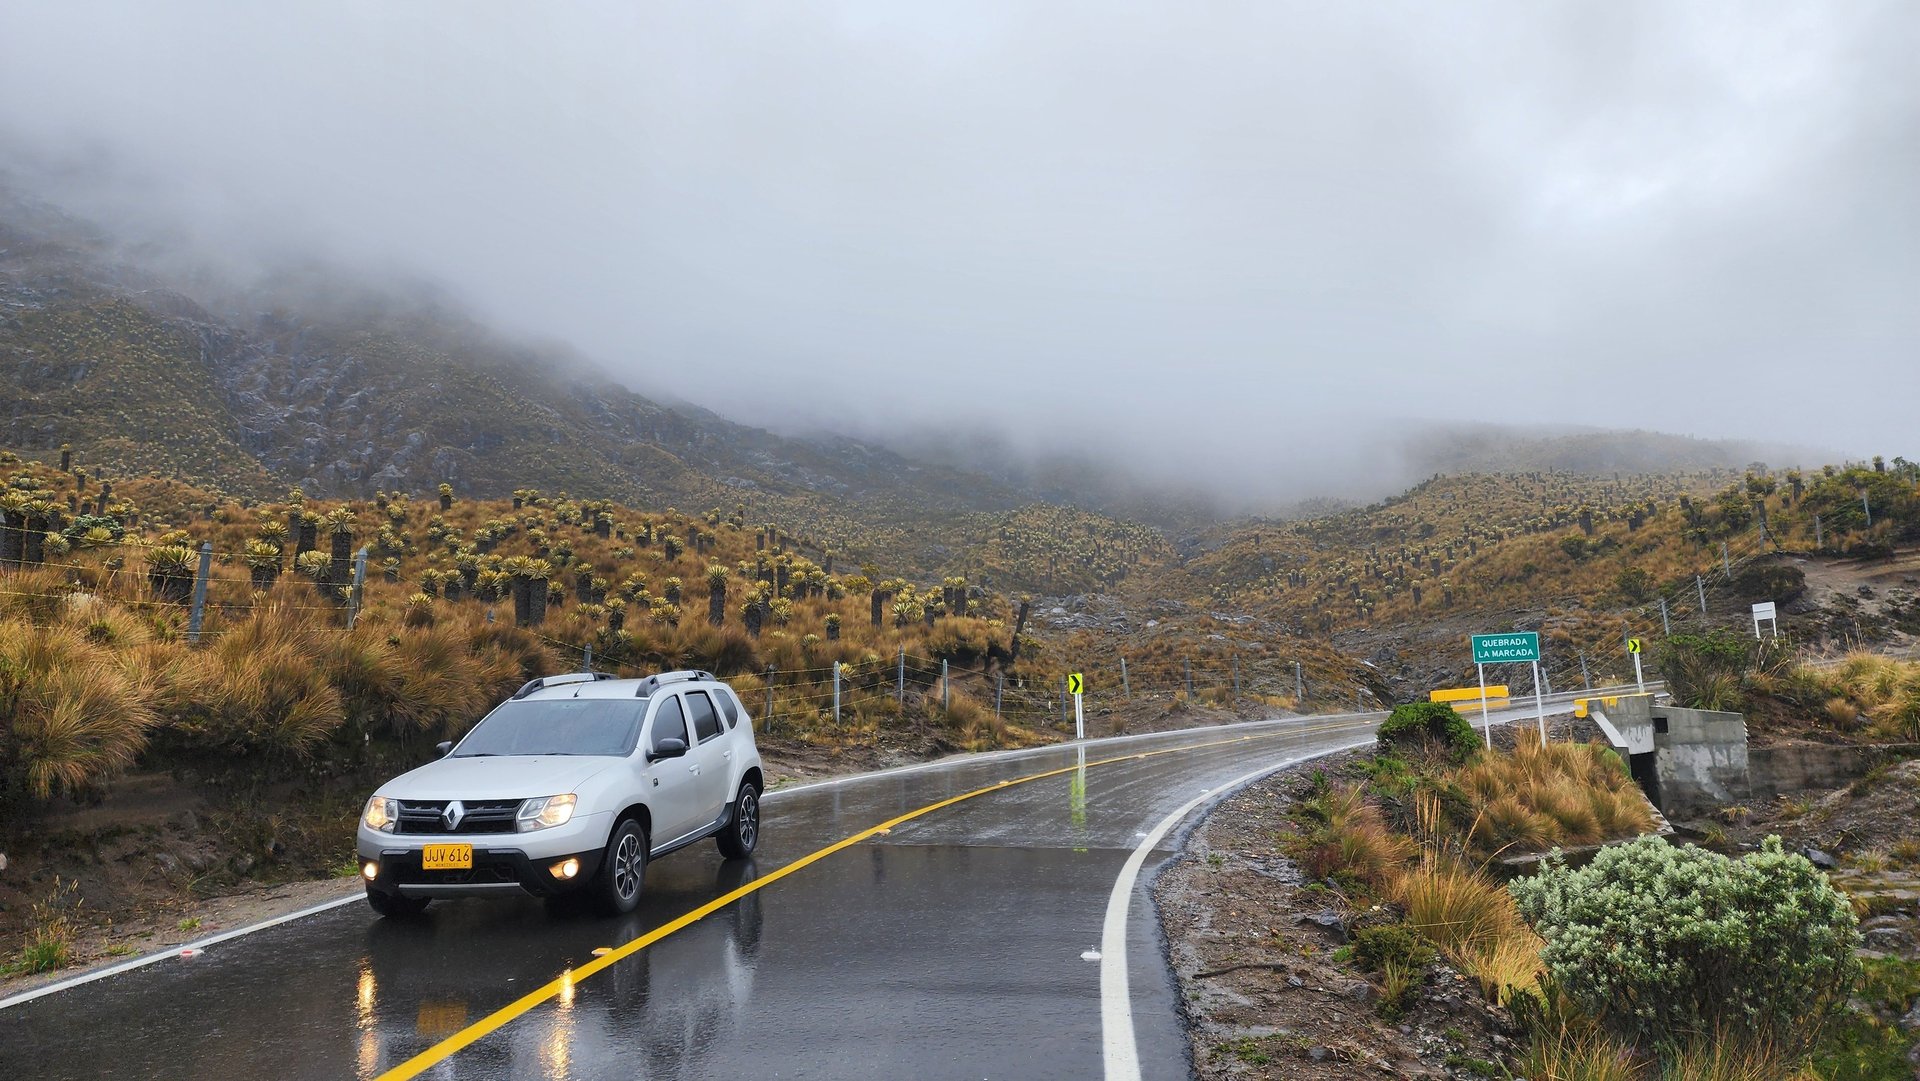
(452, 815)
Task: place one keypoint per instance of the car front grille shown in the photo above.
(481, 816)
(479, 873)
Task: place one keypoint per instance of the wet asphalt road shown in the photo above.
(950, 948)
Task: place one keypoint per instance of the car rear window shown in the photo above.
(706, 723)
(670, 723)
(728, 707)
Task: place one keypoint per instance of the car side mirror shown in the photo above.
(443, 747)
(667, 748)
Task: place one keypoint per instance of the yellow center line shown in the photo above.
(572, 977)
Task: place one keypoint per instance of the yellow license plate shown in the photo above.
(446, 858)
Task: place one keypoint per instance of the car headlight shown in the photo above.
(382, 814)
(545, 812)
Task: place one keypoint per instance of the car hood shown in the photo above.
(505, 777)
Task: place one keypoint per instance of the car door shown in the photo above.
(672, 789)
(713, 755)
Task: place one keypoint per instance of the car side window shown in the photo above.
(729, 708)
(669, 722)
(706, 723)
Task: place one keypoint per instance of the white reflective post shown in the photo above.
(1539, 704)
(1486, 723)
(1079, 719)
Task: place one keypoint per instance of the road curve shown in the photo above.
(962, 943)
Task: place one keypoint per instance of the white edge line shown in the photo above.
(1119, 1049)
(174, 951)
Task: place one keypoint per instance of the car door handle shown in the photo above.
(693, 769)
(728, 755)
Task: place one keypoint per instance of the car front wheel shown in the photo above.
(623, 872)
(743, 829)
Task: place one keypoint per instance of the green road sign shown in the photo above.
(1501, 648)
(1075, 684)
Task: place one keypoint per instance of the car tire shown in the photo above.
(394, 906)
(623, 870)
(742, 831)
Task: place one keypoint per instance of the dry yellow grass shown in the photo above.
(1473, 921)
(1558, 794)
(75, 713)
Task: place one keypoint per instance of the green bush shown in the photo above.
(1375, 948)
(1668, 944)
(1429, 725)
(1706, 671)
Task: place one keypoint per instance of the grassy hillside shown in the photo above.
(1585, 560)
(463, 599)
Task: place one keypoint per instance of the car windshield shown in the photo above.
(588, 726)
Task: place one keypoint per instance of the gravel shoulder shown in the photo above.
(1253, 948)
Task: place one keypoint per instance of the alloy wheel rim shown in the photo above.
(626, 870)
(749, 818)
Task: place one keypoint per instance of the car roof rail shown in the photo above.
(655, 682)
(543, 682)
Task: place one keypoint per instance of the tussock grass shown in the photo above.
(76, 714)
(1558, 794)
(1473, 921)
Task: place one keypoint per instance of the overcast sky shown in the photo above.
(1183, 231)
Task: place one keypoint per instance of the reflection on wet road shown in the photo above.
(949, 947)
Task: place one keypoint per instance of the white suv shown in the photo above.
(570, 786)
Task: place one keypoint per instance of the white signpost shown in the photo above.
(1766, 610)
(1077, 685)
(1501, 649)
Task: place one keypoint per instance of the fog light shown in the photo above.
(565, 869)
(370, 869)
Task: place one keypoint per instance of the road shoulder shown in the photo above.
(1263, 991)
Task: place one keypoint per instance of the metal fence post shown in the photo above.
(1299, 686)
(199, 613)
(769, 692)
(900, 680)
(836, 692)
(999, 689)
(1188, 661)
(1236, 675)
(1666, 624)
(359, 587)
(1126, 685)
(946, 689)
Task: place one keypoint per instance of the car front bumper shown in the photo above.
(502, 862)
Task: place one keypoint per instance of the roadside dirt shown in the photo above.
(1862, 603)
(1253, 947)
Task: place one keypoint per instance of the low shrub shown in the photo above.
(1374, 948)
(1667, 944)
(1433, 728)
(1706, 671)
